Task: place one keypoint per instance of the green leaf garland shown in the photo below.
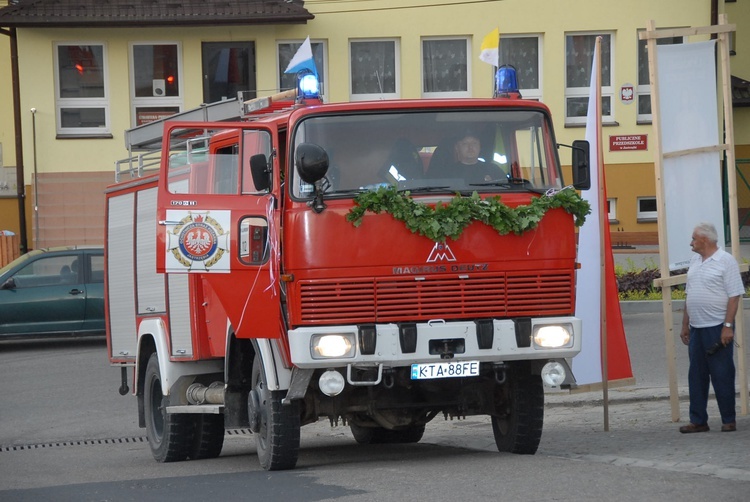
(449, 220)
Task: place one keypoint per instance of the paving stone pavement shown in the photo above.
(641, 433)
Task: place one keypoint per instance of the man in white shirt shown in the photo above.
(714, 292)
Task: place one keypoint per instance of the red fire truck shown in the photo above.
(306, 260)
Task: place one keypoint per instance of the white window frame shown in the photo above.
(154, 101)
(612, 206)
(583, 92)
(397, 71)
(645, 216)
(64, 103)
(324, 70)
(529, 93)
(642, 90)
(449, 94)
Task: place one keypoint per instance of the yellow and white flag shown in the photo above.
(490, 46)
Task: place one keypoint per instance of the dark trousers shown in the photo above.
(717, 369)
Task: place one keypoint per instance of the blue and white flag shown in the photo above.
(303, 59)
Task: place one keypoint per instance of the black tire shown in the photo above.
(169, 435)
(411, 434)
(380, 435)
(366, 435)
(278, 439)
(518, 424)
(208, 436)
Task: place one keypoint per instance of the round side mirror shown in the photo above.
(311, 161)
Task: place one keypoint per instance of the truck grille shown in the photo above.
(393, 299)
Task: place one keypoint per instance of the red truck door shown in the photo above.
(214, 221)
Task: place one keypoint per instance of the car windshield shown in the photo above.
(433, 151)
(19, 260)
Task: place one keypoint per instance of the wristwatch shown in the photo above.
(727, 324)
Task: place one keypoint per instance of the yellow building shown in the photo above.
(90, 74)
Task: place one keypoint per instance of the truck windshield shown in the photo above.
(488, 150)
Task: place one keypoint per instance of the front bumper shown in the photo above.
(398, 345)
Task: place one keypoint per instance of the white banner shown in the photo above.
(689, 120)
(587, 365)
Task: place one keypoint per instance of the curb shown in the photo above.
(655, 306)
(614, 396)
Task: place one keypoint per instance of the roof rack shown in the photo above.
(147, 137)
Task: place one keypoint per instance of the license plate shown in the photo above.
(454, 369)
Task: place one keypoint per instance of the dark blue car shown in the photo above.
(55, 291)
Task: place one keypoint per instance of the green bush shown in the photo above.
(635, 284)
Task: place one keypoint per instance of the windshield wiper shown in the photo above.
(494, 183)
(347, 191)
(424, 189)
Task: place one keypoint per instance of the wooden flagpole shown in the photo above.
(732, 196)
(602, 229)
(666, 289)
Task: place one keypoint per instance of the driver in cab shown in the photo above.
(471, 167)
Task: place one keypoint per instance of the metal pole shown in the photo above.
(36, 184)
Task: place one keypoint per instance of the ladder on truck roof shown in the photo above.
(147, 138)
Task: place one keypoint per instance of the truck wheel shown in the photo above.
(169, 435)
(518, 425)
(277, 440)
(379, 435)
(208, 436)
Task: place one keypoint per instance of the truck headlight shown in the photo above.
(553, 336)
(332, 345)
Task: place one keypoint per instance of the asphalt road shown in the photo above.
(66, 434)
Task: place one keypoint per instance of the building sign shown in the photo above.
(627, 143)
(144, 117)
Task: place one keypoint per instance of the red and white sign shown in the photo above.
(627, 93)
(627, 143)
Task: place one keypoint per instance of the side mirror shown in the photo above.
(581, 165)
(9, 284)
(260, 171)
(311, 161)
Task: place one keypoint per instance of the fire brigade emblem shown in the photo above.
(197, 242)
(441, 252)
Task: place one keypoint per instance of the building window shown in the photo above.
(524, 54)
(579, 55)
(446, 67)
(374, 66)
(228, 68)
(82, 104)
(287, 50)
(646, 209)
(155, 81)
(612, 210)
(643, 90)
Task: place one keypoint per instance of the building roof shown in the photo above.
(130, 13)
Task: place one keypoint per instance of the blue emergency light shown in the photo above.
(506, 83)
(308, 86)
